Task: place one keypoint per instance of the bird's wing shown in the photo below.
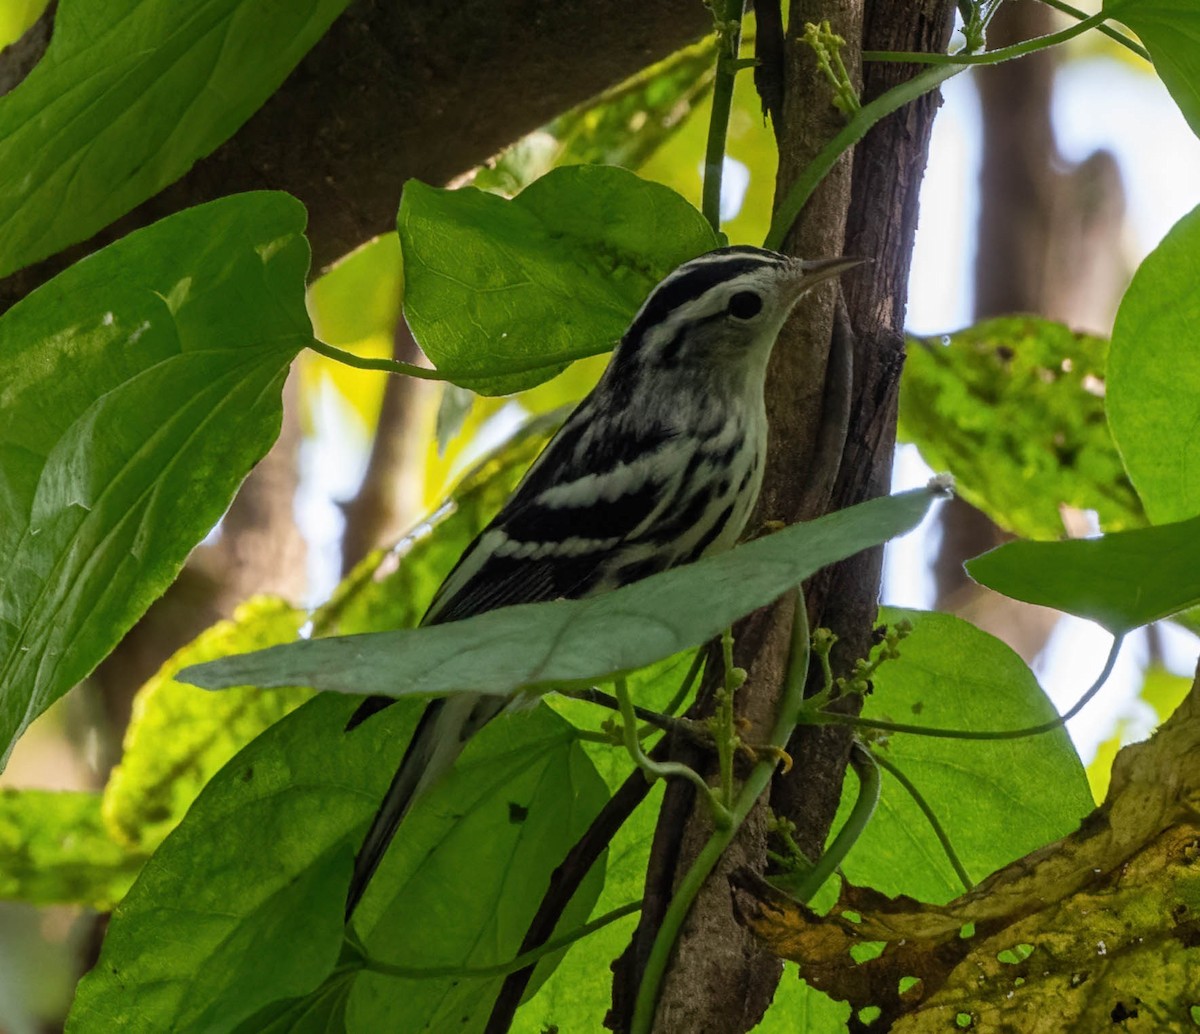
(565, 525)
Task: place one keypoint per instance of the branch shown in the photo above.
(369, 105)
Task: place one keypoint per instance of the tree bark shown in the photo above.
(720, 979)
(389, 500)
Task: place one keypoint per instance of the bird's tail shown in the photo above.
(440, 735)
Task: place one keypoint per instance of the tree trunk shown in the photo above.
(720, 979)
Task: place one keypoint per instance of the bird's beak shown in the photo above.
(806, 274)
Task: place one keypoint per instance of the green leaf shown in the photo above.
(798, 1008)
(1154, 375)
(575, 642)
(128, 96)
(267, 844)
(502, 295)
(1120, 581)
(462, 884)
(989, 795)
(322, 1011)
(179, 737)
(257, 873)
(55, 849)
(1170, 29)
(1014, 409)
(162, 357)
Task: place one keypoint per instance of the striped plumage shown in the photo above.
(659, 465)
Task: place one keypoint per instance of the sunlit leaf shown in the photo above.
(1161, 692)
(483, 847)
(16, 16)
(1121, 581)
(571, 642)
(951, 675)
(502, 295)
(1154, 373)
(138, 388)
(179, 737)
(798, 1008)
(128, 96)
(55, 849)
(1014, 409)
(1171, 31)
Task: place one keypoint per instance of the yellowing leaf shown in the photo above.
(1100, 924)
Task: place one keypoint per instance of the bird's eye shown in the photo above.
(745, 305)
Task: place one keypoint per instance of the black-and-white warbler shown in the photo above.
(659, 465)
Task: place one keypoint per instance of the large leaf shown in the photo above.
(462, 884)
(1171, 31)
(237, 918)
(1121, 581)
(1154, 374)
(128, 96)
(575, 641)
(179, 737)
(502, 295)
(989, 795)
(138, 388)
(55, 849)
(1014, 409)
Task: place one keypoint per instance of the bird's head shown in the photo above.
(724, 309)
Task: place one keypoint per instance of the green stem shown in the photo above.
(944, 67)
(710, 854)
(850, 134)
(930, 817)
(513, 365)
(832, 718)
(994, 57)
(729, 38)
(722, 727)
(660, 769)
(1107, 30)
(501, 969)
(339, 355)
(860, 815)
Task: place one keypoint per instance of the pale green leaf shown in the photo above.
(1121, 581)
(573, 642)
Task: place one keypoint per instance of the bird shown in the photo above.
(659, 465)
